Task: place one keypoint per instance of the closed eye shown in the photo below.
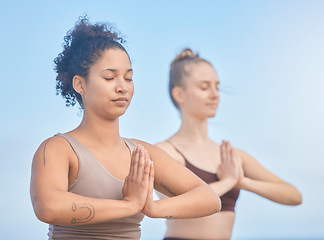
(109, 79)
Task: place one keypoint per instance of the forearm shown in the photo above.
(279, 192)
(61, 208)
(198, 202)
(223, 186)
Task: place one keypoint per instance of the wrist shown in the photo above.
(243, 183)
(132, 207)
(230, 182)
(153, 211)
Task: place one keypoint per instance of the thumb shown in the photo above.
(151, 182)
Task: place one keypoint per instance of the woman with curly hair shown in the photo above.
(193, 88)
(90, 183)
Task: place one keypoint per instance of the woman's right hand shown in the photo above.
(136, 183)
(230, 167)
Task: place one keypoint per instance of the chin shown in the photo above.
(120, 113)
(211, 115)
(116, 114)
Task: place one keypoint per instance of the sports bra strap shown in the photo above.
(175, 148)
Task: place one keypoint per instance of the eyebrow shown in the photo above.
(207, 81)
(115, 70)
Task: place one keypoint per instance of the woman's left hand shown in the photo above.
(149, 206)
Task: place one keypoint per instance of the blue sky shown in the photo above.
(269, 56)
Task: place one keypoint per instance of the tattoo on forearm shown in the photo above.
(85, 206)
(44, 150)
(168, 190)
(168, 217)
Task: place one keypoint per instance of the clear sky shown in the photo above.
(270, 59)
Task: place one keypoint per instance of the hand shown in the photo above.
(136, 183)
(241, 177)
(230, 167)
(148, 208)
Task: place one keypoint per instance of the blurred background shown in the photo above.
(269, 56)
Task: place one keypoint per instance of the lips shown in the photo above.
(211, 104)
(120, 99)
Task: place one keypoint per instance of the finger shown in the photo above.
(151, 181)
(235, 156)
(226, 152)
(237, 159)
(223, 151)
(146, 170)
(134, 163)
(151, 178)
(230, 152)
(147, 155)
(238, 163)
(141, 164)
(125, 186)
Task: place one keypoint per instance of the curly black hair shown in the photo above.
(83, 46)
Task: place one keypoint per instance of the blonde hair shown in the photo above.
(179, 70)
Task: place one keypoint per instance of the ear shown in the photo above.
(78, 84)
(178, 95)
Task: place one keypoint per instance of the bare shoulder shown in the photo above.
(51, 165)
(149, 147)
(162, 148)
(170, 149)
(51, 148)
(166, 146)
(245, 157)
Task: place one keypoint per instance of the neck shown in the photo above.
(193, 129)
(100, 130)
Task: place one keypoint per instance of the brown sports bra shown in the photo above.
(228, 199)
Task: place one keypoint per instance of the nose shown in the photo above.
(121, 86)
(214, 93)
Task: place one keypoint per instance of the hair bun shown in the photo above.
(185, 54)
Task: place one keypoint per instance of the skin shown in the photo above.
(106, 94)
(198, 100)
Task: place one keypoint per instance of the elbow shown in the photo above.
(297, 199)
(44, 214)
(218, 204)
(216, 201)
(215, 205)
(294, 198)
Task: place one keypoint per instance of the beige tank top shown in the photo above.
(95, 181)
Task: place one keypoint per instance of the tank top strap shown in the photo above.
(177, 149)
(77, 147)
(130, 144)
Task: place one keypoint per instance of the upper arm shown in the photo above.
(50, 169)
(170, 177)
(254, 170)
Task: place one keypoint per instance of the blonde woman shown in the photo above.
(193, 88)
